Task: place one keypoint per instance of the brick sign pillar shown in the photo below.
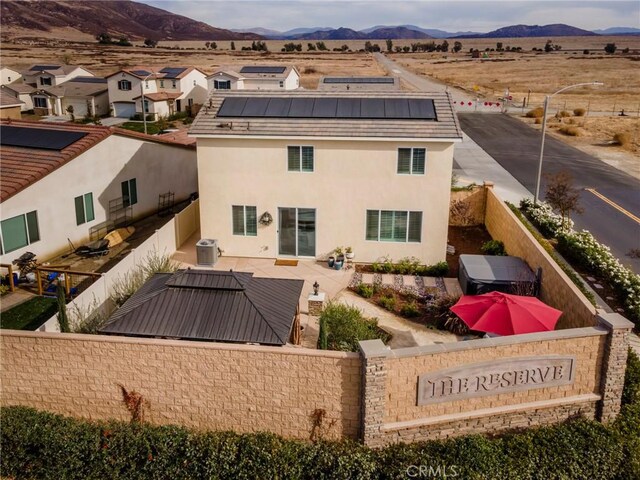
(374, 384)
(614, 364)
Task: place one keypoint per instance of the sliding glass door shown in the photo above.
(297, 232)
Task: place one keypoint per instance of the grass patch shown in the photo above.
(30, 314)
(152, 127)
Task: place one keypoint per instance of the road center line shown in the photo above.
(614, 205)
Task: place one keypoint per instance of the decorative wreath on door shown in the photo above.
(266, 219)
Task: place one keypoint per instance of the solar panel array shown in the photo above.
(328, 107)
(262, 69)
(89, 80)
(40, 68)
(385, 80)
(172, 72)
(140, 73)
(11, 136)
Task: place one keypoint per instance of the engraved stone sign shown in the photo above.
(495, 377)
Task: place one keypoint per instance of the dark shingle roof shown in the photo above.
(209, 122)
(210, 305)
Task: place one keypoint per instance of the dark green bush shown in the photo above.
(365, 290)
(493, 247)
(440, 269)
(346, 326)
(631, 392)
(387, 302)
(410, 310)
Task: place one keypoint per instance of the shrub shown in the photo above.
(579, 112)
(564, 114)
(538, 121)
(570, 131)
(631, 392)
(388, 302)
(364, 290)
(346, 326)
(537, 112)
(440, 269)
(493, 247)
(622, 138)
(410, 310)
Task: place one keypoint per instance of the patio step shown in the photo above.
(452, 287)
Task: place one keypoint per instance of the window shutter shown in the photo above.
(386, 225)
(307, 159)
(88, 207)
(133, 191)
(126, 201)
(373, 219)
(400, 226)
(79, 210)
(293, 159)
(251, 221)
(404, 160)
(238, 219)
(14, 233)
(32, 226)
(419, 155)
(415, 226)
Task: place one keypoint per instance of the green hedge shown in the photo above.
(41, 445)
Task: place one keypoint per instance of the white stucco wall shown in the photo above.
(100, 104)
(350, 177)
(28, 102)
(116, 95)
(8, 76)
(193, 86)
(157, 168)
(293, 80)
(235, 83)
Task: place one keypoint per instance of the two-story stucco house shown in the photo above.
(366, 170)
(85, 96)
(166, 90)
(42, 76)
(255, 77)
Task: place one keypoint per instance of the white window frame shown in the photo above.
(244, 221)
(411, 160)
(408, 212)
(38, 99)
(122, 83)
(217, 83)
(300, 147)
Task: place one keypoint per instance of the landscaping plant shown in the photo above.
(346, 326)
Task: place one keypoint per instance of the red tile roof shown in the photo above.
(21, 167)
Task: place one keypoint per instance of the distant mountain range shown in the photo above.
(137, 21)
(133, 20)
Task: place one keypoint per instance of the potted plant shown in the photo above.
(338, 263)
(349, 253)
(331, 261)
(339, 254)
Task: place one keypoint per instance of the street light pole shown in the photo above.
(144, 113)
(544, 128)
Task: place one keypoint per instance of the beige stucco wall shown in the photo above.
(193, 86)
(203, 385)
(116, 95)
(557, 289)
(11, 112)
(350, 177)
(8, 76)
(403, 374)
(158, 168)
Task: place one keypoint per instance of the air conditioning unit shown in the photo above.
(207, 252)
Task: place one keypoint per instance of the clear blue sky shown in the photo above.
(449, 15)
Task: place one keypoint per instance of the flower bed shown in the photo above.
(584, 251)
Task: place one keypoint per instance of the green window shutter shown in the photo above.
(238, 219)
(251, 220)
(415, 227)
(307, 159)
(386, 225)
(293, 159)
(88, 207)
(133, 191)
(419, 155)
(32, 226)
(400, 226)
(14, 233)
(79, 210)
(404, 160)
(373, 219)
(126, 201)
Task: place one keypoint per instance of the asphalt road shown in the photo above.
(516, 147)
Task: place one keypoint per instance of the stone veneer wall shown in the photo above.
(205, 385)
(557, 289)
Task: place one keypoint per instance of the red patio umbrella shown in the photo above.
(505, 314)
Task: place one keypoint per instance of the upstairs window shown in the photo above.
(222, 84)
(394, 226)
(45, 81)
(411, 161)
(84, 208)
(129, 192)
(124, 85)
(174, 83)
(19, 231)
(245, 220)
(300, 159)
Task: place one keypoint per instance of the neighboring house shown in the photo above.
(8, 75)
(22, 92)
(43, 76)
(255, 77)
(366, 170)
(359, 84)
(209, 305)
(9, 106)
(58, 181)
(87, 96)
(166, 90)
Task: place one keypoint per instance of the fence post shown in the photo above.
(374, 355)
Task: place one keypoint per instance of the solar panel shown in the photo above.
(40, 68)
(172, 72)
(262, 69)
(41, 138)
(140, 73)
(328, 107)
(88, 80)
(386, 80)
